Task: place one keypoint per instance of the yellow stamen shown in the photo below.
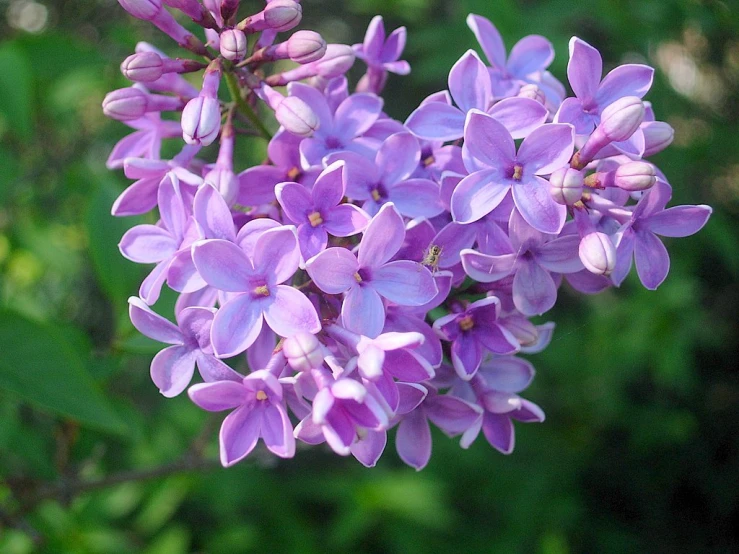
(375, 195)
(315, 219)
(466, 323)
(517, 172)
(261, 291)
(294, 173)
(428, 161)
(358, 277)
(261, 395)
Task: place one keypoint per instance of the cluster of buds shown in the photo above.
(374, 273)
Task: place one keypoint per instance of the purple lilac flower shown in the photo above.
(319, 211)
(145, 142)
(496, 168)
(261, 295)
(473, 330)
(381, 55)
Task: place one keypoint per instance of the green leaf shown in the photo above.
(16, 91)
(40, 365)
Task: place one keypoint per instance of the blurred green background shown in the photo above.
(640, 450)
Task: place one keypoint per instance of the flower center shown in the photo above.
(517, 172)
(466, 323)
(375, 195)
(315, 219)
(261, 290)
(294, 173)
(358, 277)
(333, 143)
(427, 161)
(261, 395)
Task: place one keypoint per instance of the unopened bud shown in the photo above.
(142, 9)
(305, 47)
(567, 186)
(143, 67)
(303, 352)
(597, 253)
(658, 135)
(225, 182)
(533, 92)
(233, 44)
(201, 120)
(125, 104)
(635, 176)
(336, 61)
(296, 117)
(282, 15)
(622, 118)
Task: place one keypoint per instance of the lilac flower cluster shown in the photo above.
(374, 273)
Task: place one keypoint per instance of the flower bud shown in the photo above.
(233, 44)
(224, 181)
(125, 104)
(282, 15)
(533, 92)
(658, 135)
(201, 120)
(597, 253)
(305, 47)
(303, 352)
(143, 67)
(622, 118)
(635, 176)
(336, 61)
(567, 185)
(296, 117)
(142, 9)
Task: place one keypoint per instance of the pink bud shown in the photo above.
(306, 46)
(658, 135)
(142, 9)
(303, 352)
(282, 15)
(622, 118)
(233, 44)
(201, 120)
(125, 104)
(296, 117)
(597, 253)
(635, 176)
(567, 184)
(143, 67)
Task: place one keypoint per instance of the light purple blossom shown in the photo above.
(381, 55)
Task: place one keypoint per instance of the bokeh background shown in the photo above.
(640, 450)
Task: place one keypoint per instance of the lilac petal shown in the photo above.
(328, 189)
(316, 101)
(259, 353)
(182, 274)
(309, 432)
(374, 38)
(257, 184)
(359, 173)
(413, 440)
(282, 150)
(653, 201)
(520, 116)
(239, 434)
(236, 326)
(530, 54)
(312, 151)
(370, 447)
(249, 234)
(624, 80)
(291, 313)
(431, 348)
(172, 369)
(436, 121)
(345, 220)
(276, 254)
(223, 265)
(151, 324)
(383, 238)
(589, 283)
(151, 286)
(218, 396)
(477, 195)
(466, 356)
(195, 323)
(146, 244)
(485, 268)
(213, 370)
(560, 255)
(537, 206)
(547, 148)
(172, 208)
(452, 239)
(451, 414)
(584, 69)
(356, 114)
(528, 413)
(135, 145)
(333, 270)
(277, 431)
(295, 200)
(571, 111)
(489, 38)
(498, 430)
(405, 283)
(509, 374)
(398, 157)
(652, 260)
(408, 366)
(212, 214)
(370, 362)
(417, 198)
(394, 46)
(496, 338)
(534, 291)
(312, 240)
(363, 312)
(469, 83)
(680, 221)
(139, 198)
(411, 395)
(624, 242)
(487, 140)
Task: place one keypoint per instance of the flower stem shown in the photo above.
(244, 107)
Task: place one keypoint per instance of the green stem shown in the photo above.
(244, 107)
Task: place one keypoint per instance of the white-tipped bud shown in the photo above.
(567, 186)
(296, 116)
(143, 67)
(337, 61)
(635, 176)
(125, 104)
(303, 352)
(201, 120)
(622, 118)
(142, 9)
(658, 135)
(282, 15)
(597, 253)
(233, 44)
(305, 47)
